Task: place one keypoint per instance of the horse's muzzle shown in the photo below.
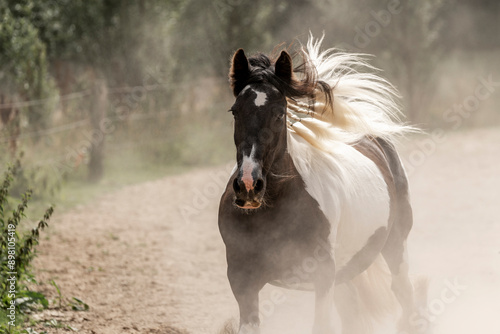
(249, 192)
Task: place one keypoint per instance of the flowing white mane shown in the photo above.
(363, 102)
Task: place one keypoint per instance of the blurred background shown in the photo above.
(96, 95)
(118, 92)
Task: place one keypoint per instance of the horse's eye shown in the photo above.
(280, 116)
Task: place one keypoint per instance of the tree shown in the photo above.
(24, 74)
(406, 37)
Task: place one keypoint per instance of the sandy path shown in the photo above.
(139, 265)
(149, 258)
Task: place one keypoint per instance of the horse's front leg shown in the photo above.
(246, 286)
(324, 306)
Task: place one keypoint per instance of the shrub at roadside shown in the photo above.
(17, 250)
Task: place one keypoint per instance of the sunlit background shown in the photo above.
(98, 95)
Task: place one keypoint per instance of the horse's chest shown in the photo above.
(281, 236)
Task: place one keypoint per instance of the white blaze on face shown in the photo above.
(247, 167)
(261, 98)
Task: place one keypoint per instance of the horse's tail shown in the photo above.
(367, 299)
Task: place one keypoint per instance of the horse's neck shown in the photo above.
(282, 174)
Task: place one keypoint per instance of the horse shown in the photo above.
(317, 180)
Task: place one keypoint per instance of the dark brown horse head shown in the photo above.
(259, 122)
(261, 87)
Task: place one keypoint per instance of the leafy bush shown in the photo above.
(17, 250)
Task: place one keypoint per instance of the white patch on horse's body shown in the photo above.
(261, 98)
(247, 167)
(349, 189)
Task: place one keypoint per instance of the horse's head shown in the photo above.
(259, 121)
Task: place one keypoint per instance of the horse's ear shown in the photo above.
(240, 71)
(283, 67)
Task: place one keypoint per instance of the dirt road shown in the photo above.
(149, 258)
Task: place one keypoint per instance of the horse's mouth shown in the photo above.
(247, 205)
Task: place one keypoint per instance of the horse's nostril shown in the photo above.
(236, 185)
(239, 202)
(259, 185)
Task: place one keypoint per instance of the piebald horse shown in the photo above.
(317, 181)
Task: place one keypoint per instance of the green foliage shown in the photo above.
(35, 176)
(59, 294)
(17, 251)
(39, 178)
(24, 73)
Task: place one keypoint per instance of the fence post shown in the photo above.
(98, 106)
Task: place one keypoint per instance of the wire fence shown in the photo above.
(98, 107)
(138, 124)
(79, 123)
(79, 95)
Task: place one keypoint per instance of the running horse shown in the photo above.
(319, 197)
